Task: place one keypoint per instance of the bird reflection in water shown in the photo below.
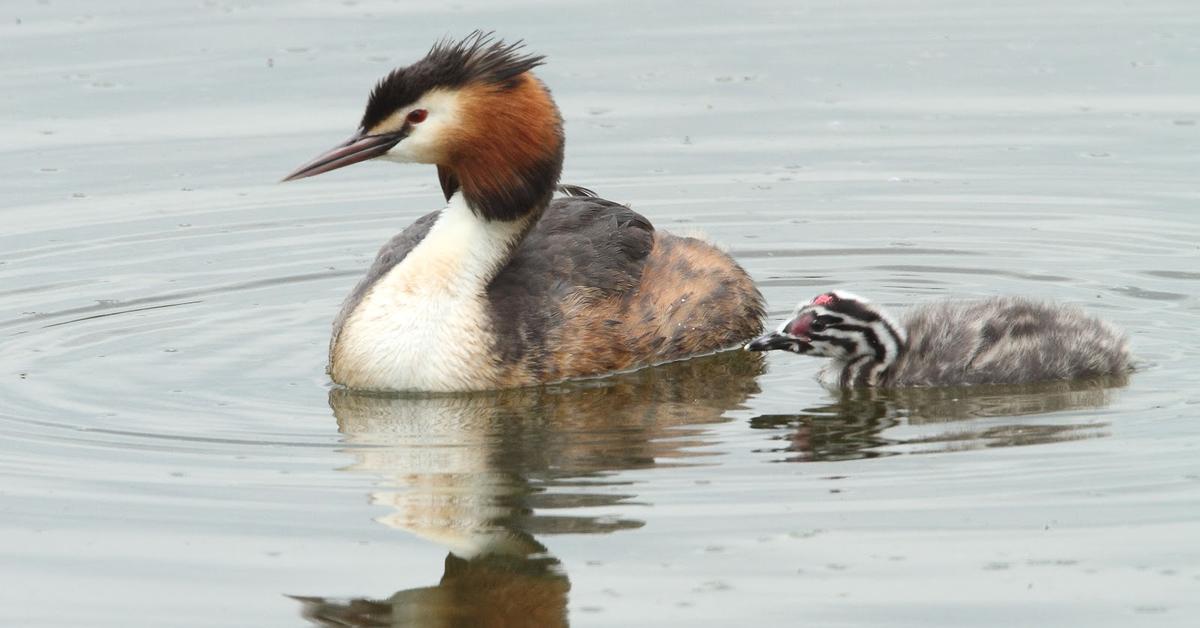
(942, 419)
(480, 474)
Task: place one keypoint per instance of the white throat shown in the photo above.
(421, 326)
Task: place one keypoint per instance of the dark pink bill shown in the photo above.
(356, 149)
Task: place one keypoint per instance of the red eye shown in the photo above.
(417, 116)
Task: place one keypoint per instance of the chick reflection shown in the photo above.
(478, 474)
(853, 425)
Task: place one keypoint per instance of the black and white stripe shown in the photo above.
(864, 342)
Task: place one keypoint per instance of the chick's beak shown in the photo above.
(360, 147)
(772, 341)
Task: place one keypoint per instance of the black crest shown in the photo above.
(478, 58)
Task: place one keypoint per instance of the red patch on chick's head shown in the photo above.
(825, 299)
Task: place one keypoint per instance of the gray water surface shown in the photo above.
(172, 454)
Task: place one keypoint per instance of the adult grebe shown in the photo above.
(506, 287)
(1001, 340)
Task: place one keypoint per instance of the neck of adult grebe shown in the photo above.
(503, 192)
(492, 205)
(484, 225)
(464, 250)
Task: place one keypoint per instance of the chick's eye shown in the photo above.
(822, 322)
(417, 116)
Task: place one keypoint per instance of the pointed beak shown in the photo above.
(779, 341)
(360, 147)
(771, 342)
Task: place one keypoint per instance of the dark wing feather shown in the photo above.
(391, 254)
(582, 247)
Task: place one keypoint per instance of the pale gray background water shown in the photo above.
(170, 454)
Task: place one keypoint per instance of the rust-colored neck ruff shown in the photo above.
(507, 155)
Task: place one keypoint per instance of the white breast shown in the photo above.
(420, 326)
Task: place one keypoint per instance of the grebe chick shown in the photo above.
(1000, 340)
(506, 286)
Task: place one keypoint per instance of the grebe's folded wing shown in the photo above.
(582, 243)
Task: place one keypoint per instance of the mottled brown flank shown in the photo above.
(692, 299)
(507, 153)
